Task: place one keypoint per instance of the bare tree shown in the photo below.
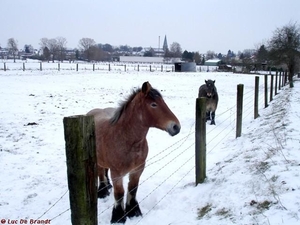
(86, 46)
(284, 47)
(176, 50)
(54, 46)
(12, 47)
(61, 45)
(210, 55)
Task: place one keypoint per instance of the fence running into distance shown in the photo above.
(265, 93)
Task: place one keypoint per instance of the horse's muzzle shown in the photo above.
(173, 128)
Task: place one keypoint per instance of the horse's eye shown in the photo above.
(153, 105)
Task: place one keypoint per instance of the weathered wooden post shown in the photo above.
(276, 82)
(41, 67)
(93, 66)
(285, 77)
(125, 68)
(76, 66)
(4, 66)
(150, 68)
(256, 94)
(200, 145)
(271, 88)
(266, 91)
(239, 110)
(162, 68)
(108, 67)
(23, 66)
(79, 134)
(138, 68)
(279, 86)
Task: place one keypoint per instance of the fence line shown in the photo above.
(59, 66)
(248, 112)
(180, 142)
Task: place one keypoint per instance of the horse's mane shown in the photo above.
(153, 94)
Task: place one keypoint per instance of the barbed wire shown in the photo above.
(53, 205)
(246, 113)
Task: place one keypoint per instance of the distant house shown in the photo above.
(213, 62)
(141, 59)
(218, 64)
(3, 53)
(159, 52)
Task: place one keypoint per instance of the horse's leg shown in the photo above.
(118, 212)
(213, 113)
(103, 187)
(109, 186)
(132, 206)
(207, 115)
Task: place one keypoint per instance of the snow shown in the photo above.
(253, 179)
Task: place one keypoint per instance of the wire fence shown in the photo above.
(180, 148)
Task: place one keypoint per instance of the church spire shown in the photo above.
(165, 45)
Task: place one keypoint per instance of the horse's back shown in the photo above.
(102, 114)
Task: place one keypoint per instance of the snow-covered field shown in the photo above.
(253, 179)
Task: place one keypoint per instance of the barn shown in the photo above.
(185, 67)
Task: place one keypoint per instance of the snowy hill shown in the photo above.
(253, 179)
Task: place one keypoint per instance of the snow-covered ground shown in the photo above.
(253, 179)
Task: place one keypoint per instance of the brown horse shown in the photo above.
(122, 146)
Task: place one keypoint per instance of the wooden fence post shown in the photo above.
(93, 66)
(256, 94)
(200, 145)
(266, 91)
(41, 68)
(285, 77)
(271, 88)
(162, 68)
(23, 66)
(276, 82)
(125, 68)
(76, 66)
(58, 66)
(4, 66)
(79, 135)
(239, 110)
(108, 67)
(279, 86)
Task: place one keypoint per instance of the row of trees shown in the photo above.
(283, 49)
(88, 49)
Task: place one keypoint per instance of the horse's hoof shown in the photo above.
(118, 215)
(212, 123)
(133, 209)
(103, 192)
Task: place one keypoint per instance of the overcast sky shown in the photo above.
(197, 25)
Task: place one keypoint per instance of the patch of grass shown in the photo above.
(203, 211)
(265, 205)
(224, 213)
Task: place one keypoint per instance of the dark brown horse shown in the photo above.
(209, 91)
(122, 146)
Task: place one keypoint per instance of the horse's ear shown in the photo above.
(214, 81)
(146, 87)
(205, 81)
